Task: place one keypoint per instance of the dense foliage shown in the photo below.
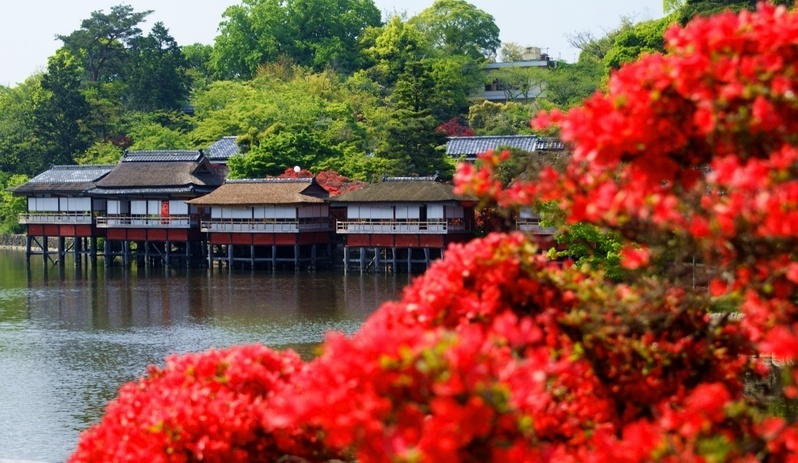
(496, 354)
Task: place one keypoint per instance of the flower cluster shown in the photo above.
(200, 407)
(496, 354)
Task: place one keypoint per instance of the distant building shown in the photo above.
(222, 150)
(469, 147)
(59, 206)
(146, 196)
(267, 220)
(497, 91)
(402, 221)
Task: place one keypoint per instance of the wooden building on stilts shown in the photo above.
(401, 223)
(60, 209)
(273, 222)
(147, 216)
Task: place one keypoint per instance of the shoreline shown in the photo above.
(16, 242)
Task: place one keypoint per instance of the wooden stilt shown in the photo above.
(313, 256)
(45, 250)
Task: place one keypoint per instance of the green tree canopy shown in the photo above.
(688, 9)
(456, 27)
(389, 48)
(489, 118)
(511, 51)
(520, 83)
(282, 147)
(11, 206)
(61, 112)
(102, 39)
(315, 33)
(569, 84)
(20, 151)
(632, 42)
(157, 77)
(412, 146)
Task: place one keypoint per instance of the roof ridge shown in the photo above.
(270, 180)
(485, 137)
(433, 178)
(80, 166)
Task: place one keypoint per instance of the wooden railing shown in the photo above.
(166, 221)
(532, 225)
(266, 225)
(33, 217)
(376, 226)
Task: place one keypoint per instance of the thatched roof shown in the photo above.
(402, 190)
(160, 172)
(68, 180)
(264, 191)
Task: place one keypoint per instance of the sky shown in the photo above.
(28, 27)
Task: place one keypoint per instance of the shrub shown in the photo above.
(496, 354)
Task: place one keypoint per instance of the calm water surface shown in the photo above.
(69, 337)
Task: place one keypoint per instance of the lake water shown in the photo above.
(69, 337)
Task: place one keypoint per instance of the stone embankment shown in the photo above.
(12, 241)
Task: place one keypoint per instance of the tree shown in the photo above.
(630, 44)
(317, 34)
(410, 142)
(595, 48)
(102, 40)
(198, 64)
(157, 78)
(101, 152)
(520, 83)
(391, 47)
(569, 84)
(20, 151)
(686, 10)
(511, 51)
(669, 6)
(11, 206)
(458, 28)
(279, 148)
(250, 34)
(456, 127)
(61, 112)
(489, 118)
(329, 32)
(413, 146)
(295, 99)
(159, 131)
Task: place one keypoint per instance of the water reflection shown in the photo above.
(69, 337)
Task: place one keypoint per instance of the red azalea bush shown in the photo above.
(200, 407)
(495, 354)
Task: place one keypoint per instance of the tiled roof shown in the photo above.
(401, 190)
(64, 179)
(471, 146)
(264, 191)
(223, 149)
(549, 144)
(162, 156)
